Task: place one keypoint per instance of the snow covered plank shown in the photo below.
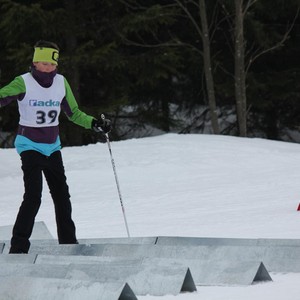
(218, 272)
(207, 241)
(18, 258)
(126, 240)
(85, 259)
(85, 246)
(32, 270)
(203, 272)
(133, 240)
(276, 259)
(74, 249)
(147, 279)
(144, 279)
(28, 288)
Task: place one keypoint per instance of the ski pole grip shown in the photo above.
(106, 134)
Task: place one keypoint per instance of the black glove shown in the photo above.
(101, 125)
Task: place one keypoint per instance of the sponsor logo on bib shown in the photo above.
(48, 103)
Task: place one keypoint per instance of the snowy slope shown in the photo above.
(179, 185)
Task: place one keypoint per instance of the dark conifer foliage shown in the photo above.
(141, 63)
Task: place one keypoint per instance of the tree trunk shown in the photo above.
(239, 65)
(208, 69)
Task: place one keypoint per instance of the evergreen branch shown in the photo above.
(277, 45)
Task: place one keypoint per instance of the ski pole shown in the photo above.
(116, 179)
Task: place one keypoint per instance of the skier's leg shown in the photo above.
(55, 175)
(32, 176)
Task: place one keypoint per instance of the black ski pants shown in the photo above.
(34, 165)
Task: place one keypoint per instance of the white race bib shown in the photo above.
(41, 106)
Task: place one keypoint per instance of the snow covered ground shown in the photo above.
(179, 185)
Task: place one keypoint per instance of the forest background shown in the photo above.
(227, 67)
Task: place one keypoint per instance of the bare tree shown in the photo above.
(241, 64)
(208, 68)
(203, 30)
(200, 24)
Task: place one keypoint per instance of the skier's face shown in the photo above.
(44, 67)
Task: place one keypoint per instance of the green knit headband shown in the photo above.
(42, 54)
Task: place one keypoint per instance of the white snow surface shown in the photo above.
(178, 185)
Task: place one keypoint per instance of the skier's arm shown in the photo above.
(74, 114)
(13, 91)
